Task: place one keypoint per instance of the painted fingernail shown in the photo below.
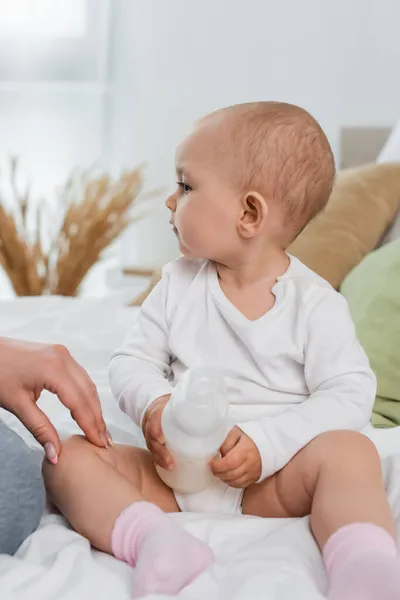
(109, 438)
(104, 439)
(51, 453)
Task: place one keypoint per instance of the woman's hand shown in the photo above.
(153, 434)
(26, 369)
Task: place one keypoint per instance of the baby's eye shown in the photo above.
(184, 187)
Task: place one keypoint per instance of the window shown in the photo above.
(54, 85)
(40, 18)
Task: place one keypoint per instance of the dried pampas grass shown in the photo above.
(155, 276)
(54, 255)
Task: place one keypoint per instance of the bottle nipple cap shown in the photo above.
(201, 404)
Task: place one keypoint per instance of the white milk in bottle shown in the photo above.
(194, 423)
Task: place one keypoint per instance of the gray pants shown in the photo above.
(22, 497)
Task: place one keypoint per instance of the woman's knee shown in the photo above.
(22, 495)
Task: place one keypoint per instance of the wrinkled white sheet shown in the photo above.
(256, 558)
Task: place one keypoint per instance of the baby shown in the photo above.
(249, 179)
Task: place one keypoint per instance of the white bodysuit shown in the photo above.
(294, 373)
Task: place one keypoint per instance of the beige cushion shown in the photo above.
(362, 207)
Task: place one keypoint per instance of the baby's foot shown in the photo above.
(371, 576)
(169, 559)
(166, 558)
(362, 564)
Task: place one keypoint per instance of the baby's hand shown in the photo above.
(240, 465)
(153, 434)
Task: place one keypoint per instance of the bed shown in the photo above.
(256, 558)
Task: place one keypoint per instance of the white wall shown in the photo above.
(175, 60)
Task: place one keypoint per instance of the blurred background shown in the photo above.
(117, 83)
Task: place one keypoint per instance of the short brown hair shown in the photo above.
(287, 157)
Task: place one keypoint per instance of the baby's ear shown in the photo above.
(253, 214)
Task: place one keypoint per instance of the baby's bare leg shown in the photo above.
(113, 497)
(92, 486)
(338, 479)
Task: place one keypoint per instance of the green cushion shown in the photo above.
(373, 292)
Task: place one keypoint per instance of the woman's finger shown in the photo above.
(82, 413)
(38, 424)
(77, 393)
(89, 390)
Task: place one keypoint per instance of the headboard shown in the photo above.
(361, 145)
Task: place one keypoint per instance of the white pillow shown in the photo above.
(393, 233)
(391, 153)
(391, 150)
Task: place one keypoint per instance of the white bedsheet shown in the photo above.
(256, 558)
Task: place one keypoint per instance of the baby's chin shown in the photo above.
(189, 253)
(183, 249)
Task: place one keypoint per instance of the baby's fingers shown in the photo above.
(231, 440)
(231, 461)
(154, 431)
(161, 455)
(234, 475)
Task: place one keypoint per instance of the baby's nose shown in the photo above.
(171, 202)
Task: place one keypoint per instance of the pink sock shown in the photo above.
(166, 557)
(362, 564)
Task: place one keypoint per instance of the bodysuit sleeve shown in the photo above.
(140, 369)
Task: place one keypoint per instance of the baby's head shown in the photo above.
(251, 175)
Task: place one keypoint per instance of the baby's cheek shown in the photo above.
(189, 226)
(195, 237)
(198, 232)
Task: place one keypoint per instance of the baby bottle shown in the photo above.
(194, 423)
